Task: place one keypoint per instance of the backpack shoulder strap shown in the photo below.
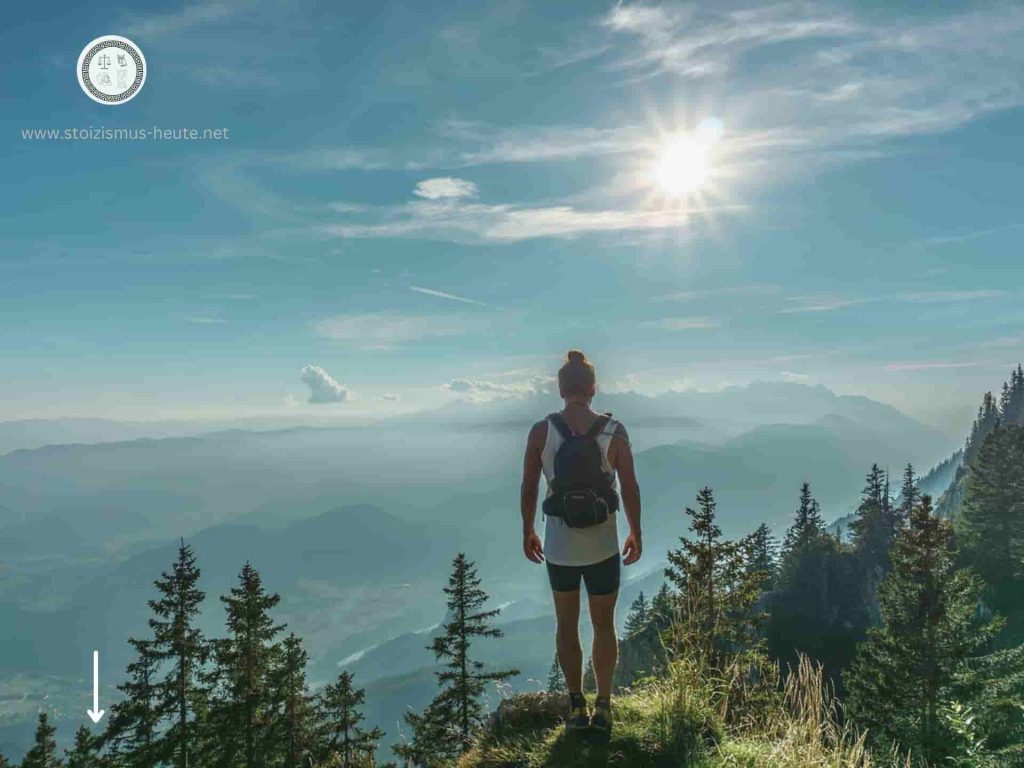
(559, 423)
(598, 426)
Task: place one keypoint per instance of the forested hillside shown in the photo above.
(912, 618)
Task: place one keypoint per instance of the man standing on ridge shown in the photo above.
(580, 452)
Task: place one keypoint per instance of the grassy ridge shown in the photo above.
(688, 719)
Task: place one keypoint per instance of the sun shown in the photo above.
(682, 163)
(681, 167)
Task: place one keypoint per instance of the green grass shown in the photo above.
(688, 719)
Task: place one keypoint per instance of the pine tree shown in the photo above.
(4, 762)
(910, 495)
(242, 710)
(908, 666)
(432, 744)
(874, 525)
(815, 593)
(764, 554)
(663, 606)
(990, 527)
(178, 641)
(808, 525)
(292, 724)
(458, 709)
(43, 753)
(639, 615)
(85, 753)
(556, 678)
(131, 734)
(717, 594)
(340, 715)
(984, 423)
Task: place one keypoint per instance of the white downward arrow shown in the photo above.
(95, 714)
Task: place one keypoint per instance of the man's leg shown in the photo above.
(567, 638)
(606, 646)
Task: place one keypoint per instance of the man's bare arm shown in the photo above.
(529, 491)
(629, 488)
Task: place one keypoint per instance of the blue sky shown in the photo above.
(425, 201)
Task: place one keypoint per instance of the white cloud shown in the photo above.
(858, 74)
(681, 323)
(323, 388)
(189, 17)
(930, 297)
(208, 319)
(812, 304)
(445, 188)
(927, 366)
(485, 389)
(382, 330)
(795, 378)
(457, 221)
(445, 295)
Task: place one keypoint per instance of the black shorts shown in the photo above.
(601, 578)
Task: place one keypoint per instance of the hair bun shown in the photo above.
(575, 356)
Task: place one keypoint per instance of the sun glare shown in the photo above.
(681, 167)
(683, 161)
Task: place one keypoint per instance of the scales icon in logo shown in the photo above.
(111, 70)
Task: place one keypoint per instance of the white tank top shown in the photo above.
(578, 546)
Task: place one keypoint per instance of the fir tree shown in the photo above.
(813, 601)
(85, 753)
(242, 710)
(131, 735)
(431, 745)
(808, 525)
(764, 553)
(292, 724)
(663, 606)
(340, 715)
(43, 753)
(639, 615)
(984, 423)
(874, 525)
(556, 678)
(717, 594)
(909, 666)
(910, 495)
(990, 527)
(179, 642)
(448, 724)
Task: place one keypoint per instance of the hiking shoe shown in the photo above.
(601, 720)
(578, 719)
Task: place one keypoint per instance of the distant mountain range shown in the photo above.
(86, 526)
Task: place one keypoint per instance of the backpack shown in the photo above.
(582, 493)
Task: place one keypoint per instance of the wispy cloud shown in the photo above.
(204, 319)
(857, 74)
(458, 221)
(729, 290)
(445, 295)
(807, 304)
(681, 323)
(927, 366)
(812, 304)
(1005, 341)
(445, 188)
(383, 330)
(966, 236)
(190, 16)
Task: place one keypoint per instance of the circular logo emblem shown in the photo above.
(111, 70)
